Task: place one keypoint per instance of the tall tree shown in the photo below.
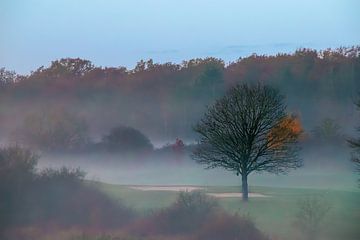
(355, 145)
(249, 131)
(327, 130)
(7, 77)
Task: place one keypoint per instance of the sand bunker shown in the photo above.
(235, 195)
(193, 188)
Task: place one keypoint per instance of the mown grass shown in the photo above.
(274, 215)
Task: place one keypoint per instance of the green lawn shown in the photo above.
(274, 214)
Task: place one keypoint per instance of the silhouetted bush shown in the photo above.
(228, 227)
(188, 213)
(310, 216)
(17, 174)
(183, 217)
(58, 197)
(196, 216)
(126, 139)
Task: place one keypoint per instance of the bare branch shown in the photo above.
(248, 130)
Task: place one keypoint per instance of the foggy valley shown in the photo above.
(191, 120)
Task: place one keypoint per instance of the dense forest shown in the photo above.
(165, 100)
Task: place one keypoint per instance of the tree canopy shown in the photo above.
(126, 139)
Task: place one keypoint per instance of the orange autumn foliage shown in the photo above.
(288, 129)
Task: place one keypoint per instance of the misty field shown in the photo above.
(273, 214)
(179, 120)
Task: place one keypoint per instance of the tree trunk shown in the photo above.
(245, 190)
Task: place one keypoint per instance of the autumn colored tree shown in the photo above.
(249, 131)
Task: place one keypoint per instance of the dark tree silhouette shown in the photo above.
(126, 139)
(354, 143)
(249, 131)
(67, 66)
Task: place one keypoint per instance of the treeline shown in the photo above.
(165, 100)
(59, 131)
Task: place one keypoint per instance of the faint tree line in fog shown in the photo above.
(62, 131)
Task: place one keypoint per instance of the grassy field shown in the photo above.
(274, 214)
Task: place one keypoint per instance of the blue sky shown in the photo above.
(121, 32)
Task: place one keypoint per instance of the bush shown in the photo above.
(228, 227)
(58, 197)
(17, 173)
(311, 213)
(188, 213)
(17, 164)
(61, 197)
(196, 216)
(126, 139)
(62, 175)
(183, 217)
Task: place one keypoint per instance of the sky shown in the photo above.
(121, 32)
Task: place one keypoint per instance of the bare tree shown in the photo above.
(354, 143)
(311, 213)
(327, 130)
(249, 131)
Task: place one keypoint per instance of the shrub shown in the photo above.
(17, 173)
(17, 164)
(126, 139)
(228, 227)
(196, 216)
(63, 198)
(311, 213)
(188, 212)
(58, 197)
(183, 217)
